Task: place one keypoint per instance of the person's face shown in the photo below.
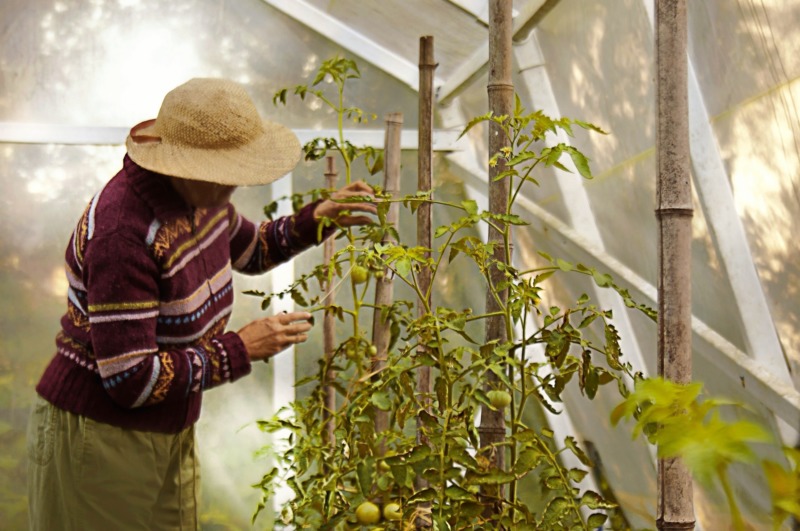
(202, 194)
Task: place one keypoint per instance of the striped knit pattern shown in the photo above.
(150, 294)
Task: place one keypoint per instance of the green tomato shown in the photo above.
(373, 350)
(359, 274)
(499, 399)
(368, 513)
(391, 511)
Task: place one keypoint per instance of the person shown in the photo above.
(111, 437)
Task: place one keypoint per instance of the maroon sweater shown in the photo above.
(150, 295)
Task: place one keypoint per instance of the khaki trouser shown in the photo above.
(85, 475)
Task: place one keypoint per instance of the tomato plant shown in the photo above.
(391, 511)
(499, 399)
(368, 513)
(430, 458)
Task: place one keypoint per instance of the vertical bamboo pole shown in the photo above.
(674, 213)
(424, 178)
(383, 286)
(492, 429)
(329, 326)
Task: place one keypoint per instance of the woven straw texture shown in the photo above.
(210, 130)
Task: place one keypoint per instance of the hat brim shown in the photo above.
(266, 159)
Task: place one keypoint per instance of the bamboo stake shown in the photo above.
(424, 172)
(381, 332)
(674, 213)
(329, 327)
(492, 429)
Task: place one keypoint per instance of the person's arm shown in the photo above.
(123, 305)
(258, 248)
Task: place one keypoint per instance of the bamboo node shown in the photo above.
(492, 430)
(664, 526)
(499, 86)
(675, 212)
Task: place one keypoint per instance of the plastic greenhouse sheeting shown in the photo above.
(89, 65)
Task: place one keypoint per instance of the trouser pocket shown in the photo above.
(41, 432)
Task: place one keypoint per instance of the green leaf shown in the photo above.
(472, 123)
(522, 157)
(577, 474)
(364, 472)
(495, 477)
(563, 265)
(596, 520)
(592, 382)
(572, 444)
(470, 206)
(528, 460)
(279, 96)
(419, 453)
(580, 161)
(590, 126)
(527, 435)
(456, 493)
(377, 164)
(424, 495)
(555, 511)
(518, 108)
(403, 266)
(381, 400)
(603, 280)
(403, 475)
(592, 500)
(255, 292)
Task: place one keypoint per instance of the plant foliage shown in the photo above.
(434, 438)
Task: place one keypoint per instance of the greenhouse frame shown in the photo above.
(76, 76)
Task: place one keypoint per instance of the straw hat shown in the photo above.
(209, 130)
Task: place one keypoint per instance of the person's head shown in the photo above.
(209, 138)
(202, 194)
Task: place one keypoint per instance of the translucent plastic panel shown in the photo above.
(745, 55)
(743, 49)
(110, 63)
(599, 77)
(627, 465)
(762, 155)
(45, 188)
(608, 81)
(399, 25)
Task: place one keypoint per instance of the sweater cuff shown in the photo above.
(237, 355)
(305, 227)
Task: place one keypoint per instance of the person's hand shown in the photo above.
(266, 337)
(341, 212)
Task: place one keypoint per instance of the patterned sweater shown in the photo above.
(150, 295)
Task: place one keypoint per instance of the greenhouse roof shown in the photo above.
(74, 77)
